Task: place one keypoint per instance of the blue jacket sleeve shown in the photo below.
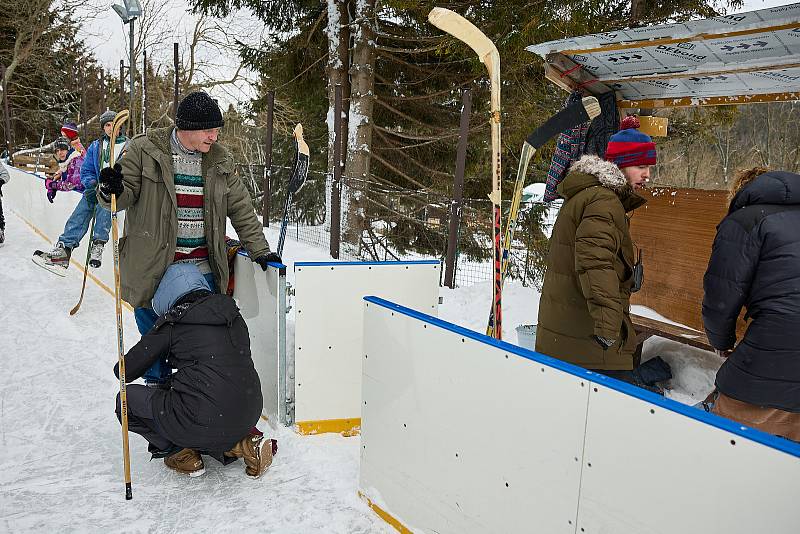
(89, 168)
(726, 284)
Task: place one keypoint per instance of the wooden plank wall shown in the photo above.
(675, 231)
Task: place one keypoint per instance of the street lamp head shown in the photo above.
(134, 8)
(123, 14)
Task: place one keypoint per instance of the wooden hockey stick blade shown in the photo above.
(301, 161)
(463, 30)
(576, 113)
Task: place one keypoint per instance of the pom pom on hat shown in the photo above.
(70, 130)
(629, 147)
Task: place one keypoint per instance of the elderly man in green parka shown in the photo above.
(178, 188)
(585, 304)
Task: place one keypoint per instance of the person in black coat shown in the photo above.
(755, 263)
(214, 397)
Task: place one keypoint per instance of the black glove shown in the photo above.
(271, 257)
(604, 342)
(111, 181)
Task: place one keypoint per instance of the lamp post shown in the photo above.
(128, 13)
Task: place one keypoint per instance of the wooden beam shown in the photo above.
(564, 71)
(690, 73)
(690, 101)
(666, 41)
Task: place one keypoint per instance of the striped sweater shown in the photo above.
(191, 243)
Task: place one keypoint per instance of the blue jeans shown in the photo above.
(78, 222)
(159, 372)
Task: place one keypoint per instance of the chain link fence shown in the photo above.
(383, 222)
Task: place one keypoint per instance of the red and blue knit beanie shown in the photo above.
(629, 147)
(70, 130)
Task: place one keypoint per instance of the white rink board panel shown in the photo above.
(329, 327)
(261, 297)
(463, 437)
(663, 472)
(25, 195)
(580, 452)
(258, 294)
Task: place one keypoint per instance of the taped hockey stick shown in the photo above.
(579, 112)
(465, 31)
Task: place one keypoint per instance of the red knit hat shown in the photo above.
(70, 130)
(630, 147)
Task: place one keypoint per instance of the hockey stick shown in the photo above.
(296, 181)
(119, 120)
(75, 309)
(465, 31)
(579, 112)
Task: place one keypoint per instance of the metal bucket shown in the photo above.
(526, 336)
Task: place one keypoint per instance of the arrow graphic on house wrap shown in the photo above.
(745, 46)
(708, 78)
(625, 58)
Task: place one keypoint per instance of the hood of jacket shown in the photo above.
(591, 171)
(179, 279)
(772, 187)
(211, 310)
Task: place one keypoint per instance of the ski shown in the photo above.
(465, 31)
(296, 181)
(579, 112)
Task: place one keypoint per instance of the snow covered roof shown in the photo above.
(731, 59)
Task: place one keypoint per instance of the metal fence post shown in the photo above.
(268, 165)
(121, 84)
(458, 189)
(175, 60)
(83, 103)
(336, 184)
(144, 91)
(9, 134)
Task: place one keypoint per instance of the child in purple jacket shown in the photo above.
(70, 158)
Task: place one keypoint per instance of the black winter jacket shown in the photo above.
(755, 263)
(215, 398)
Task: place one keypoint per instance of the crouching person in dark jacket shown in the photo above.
(214, 397)
(755, 263)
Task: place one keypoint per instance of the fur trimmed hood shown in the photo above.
(608, 173)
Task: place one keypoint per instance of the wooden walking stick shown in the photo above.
(119, 120)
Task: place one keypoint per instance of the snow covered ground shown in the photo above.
(61, 467)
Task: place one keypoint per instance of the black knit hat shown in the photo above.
(198, 111)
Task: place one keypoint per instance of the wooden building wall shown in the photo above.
(675, 231)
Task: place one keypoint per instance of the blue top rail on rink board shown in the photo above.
(783, 445)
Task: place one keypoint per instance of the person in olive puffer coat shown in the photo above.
(585, 303)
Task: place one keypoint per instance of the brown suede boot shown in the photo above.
(256, 451)
(187, 462)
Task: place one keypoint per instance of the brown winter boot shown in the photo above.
(256, 451)
(187, 462)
